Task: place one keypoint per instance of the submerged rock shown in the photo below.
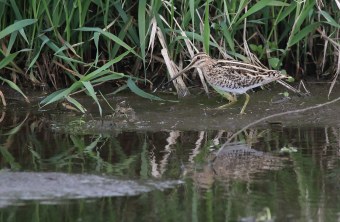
(16, 187)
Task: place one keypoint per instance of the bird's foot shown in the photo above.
(223, 107)
(226, 105)
(242, 113)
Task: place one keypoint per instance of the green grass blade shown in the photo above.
(122, 34)
(192, 11)
(16, 129)
(110, 36)
(95, 73)
(9, 58)
(77, 142)
(22, 33)
(96, 43)
(69, 60)
(37, 55)
(58, 95)
(227, 36)
(66, 46)
(206, 29)
(134, 88)
(55, 48)
(303, 15)
(241, 4)
(8, 158)
(75, 103)
(141, 27)
(277, 3)
(16, 10)
(255, 8)
(93, 145)
(112, 76)
(197, 37)
(11, 41)
(286, 12)
(16, 26)
(55, 96)
(303, 33)
(126, 19)
(78, 84)
(92, 93)
(329, 19)
(14, 86)
(49, 97)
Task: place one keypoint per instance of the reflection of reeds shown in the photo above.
(198, 144)
(158, 171)
(240, 179)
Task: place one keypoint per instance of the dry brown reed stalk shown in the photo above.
(67, 69)
(252, 58)
(220, 49)
(192, 55)
(180, 86)
(2, 117)
(3, 100)
(50, 70)
(198, 144)
(336, 46)
(255, 61)
(152, 39)
(190, 47)
(181, 90)
(70, 47)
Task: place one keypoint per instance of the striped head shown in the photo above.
(199, 60)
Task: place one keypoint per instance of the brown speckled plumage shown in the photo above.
(230, 77)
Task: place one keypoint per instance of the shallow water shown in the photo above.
(164, 161)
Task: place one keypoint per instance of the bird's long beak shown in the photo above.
(179, 73)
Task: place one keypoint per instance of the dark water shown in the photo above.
(207, 177)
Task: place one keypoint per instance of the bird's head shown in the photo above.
(198, 61)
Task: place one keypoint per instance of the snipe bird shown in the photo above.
(231, 77)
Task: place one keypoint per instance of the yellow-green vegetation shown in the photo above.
(78, 45)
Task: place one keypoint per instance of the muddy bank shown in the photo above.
(195, 112)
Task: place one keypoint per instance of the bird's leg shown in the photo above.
(230, 97)
(245, 103)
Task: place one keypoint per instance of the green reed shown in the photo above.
(73, 43)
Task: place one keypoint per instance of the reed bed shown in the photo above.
(73, 46)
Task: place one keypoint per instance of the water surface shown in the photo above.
(163, 161)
